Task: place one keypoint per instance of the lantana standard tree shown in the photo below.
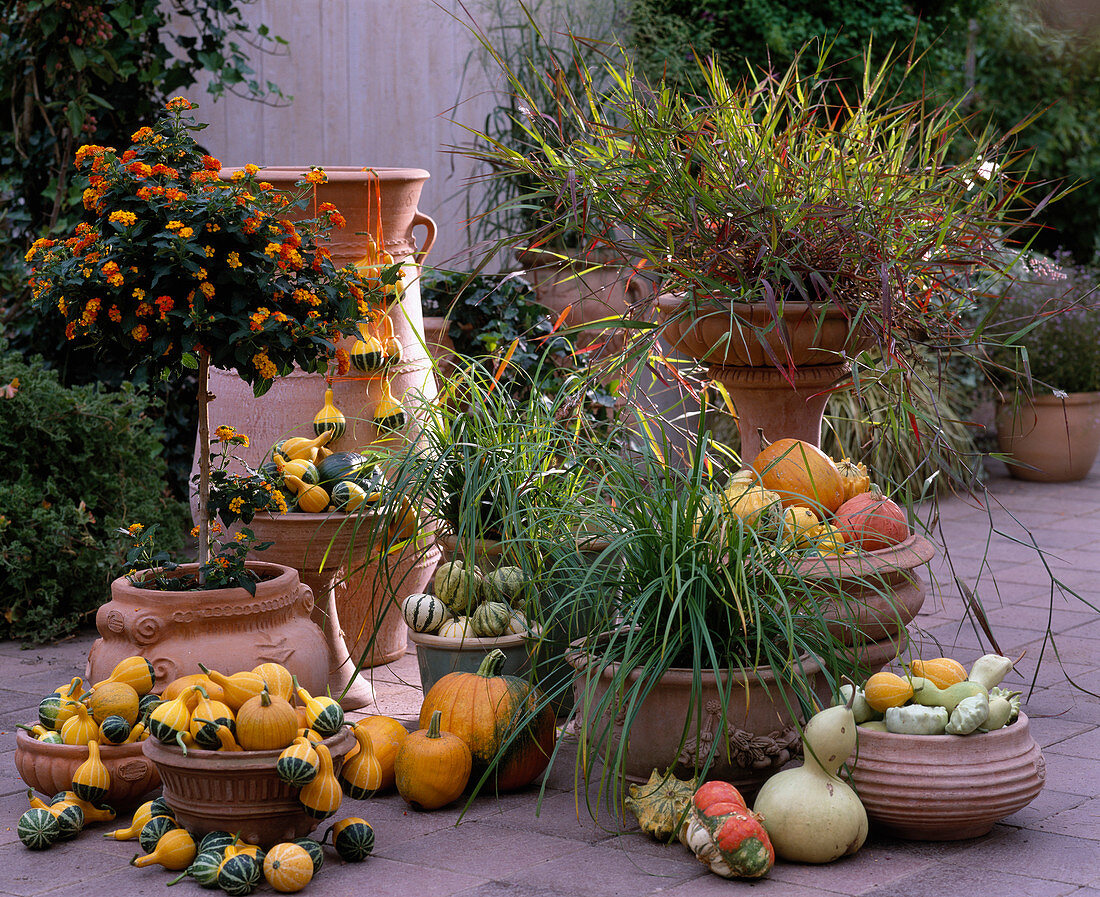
(186, 270)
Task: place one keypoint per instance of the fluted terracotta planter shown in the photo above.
(946, 787)
(237, 791)
(227, 629)
(760, 735)
(1050, 439)
(49, 768)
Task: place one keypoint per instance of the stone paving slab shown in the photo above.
(503, 846)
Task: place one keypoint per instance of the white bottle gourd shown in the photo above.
(810, 815)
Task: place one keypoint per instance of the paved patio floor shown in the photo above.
(507, 846)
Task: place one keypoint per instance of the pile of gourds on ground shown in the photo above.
(315, 480)
(938, 697)
(469, 602)
(814, 504)
(805, 814)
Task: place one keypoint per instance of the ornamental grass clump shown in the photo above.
(183, 269)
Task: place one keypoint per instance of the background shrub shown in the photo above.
(79, 463)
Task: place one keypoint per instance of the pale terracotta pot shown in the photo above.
(49, 768)
(946, 787)
(227, 629)
(760, 734)
(237, 791)
(1051, 439)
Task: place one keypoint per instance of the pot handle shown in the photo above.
(305, 596)
(429, 238)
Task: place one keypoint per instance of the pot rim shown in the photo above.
(914, 552)
(1022, 400)
(669, 305)
(281, 581)
(336, 173)
(1020, 728)
(74, 751)
(198, 761)
(475, 643)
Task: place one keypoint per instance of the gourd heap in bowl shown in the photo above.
(469, 603)
(814, 505)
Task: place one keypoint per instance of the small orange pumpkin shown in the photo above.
(432, 766)
(485, 710)
(266, 723)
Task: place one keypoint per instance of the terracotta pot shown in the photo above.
(437, 657)
(227, 629)
(1050, 439)
(873, 594)
(946, 787)
(591, 290)
(817, 333)
(49, 768)
(237, 791)
(760, 734)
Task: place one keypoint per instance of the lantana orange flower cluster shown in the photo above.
(174, 260)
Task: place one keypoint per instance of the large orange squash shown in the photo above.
(485, 710)
(801, 474)
(386, 737)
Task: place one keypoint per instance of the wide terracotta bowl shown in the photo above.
(946, 787)
(237, 791)
(49, 768)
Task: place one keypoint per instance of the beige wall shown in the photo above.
(374, 84)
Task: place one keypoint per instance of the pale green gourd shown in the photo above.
(810, 814)
(927, 694)
(969, 715)
(861, 710)
(913, 719)
(990, 669)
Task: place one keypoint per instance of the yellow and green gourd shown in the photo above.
(348, 496)
(92, 813)
(113, 699)
(321, 798)
(91, 780)
(361, 774)
(367, 354)
(323, 714)
(155, 829)
(311, 499)
(236, 688)
(352, 839)
(298, 764)
(661, 803)
(136, 671)
(204, 868)
(170, 721)
(240, 872)
(80, 728)
(141, 816)
(114, 730)
(174, 850)
(388, 413)
(316, 853)
(70, 820)
(278, 679)
(330, 418)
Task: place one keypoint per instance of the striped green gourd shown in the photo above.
(114, 729)
(158, 806)
(38, 828)
(155, 829)
(330, 418)
(239, 874)
(297, 765)
(424, 613)
(353, 839)
(203, 869)
(216, 840)
(491, 619)
(70, 820)
(323, 714)
(347, 496)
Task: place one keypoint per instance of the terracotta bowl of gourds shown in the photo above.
(48, 768)
(946, 787)
(237, 791)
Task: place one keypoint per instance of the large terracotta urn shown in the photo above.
(1050, 438)
(227, 629)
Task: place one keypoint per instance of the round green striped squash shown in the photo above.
(155, 829)
(491, 619)
(353, 839)
(38, 828)
(347, 495)
(424, 613)
(239, 875)
(314, 850)
(340, 466)
(114, 729)
(70, 822)
(158, 806)
(204, 868)
(298, 764)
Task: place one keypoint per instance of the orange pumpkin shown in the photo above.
(485, 710)
(801, 474)
(386, 737)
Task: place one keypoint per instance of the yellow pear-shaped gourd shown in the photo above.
(311, 499)
(321, 797)
(367, 354)
(361, 774)
(810, 814)
(175, 850)
(141, 816)
(330, 418)
(278, 679)
(298, 448)
(388, 413)
(79, 728)
(92, 781)
(136, 671)
(74, 690)
(237, 688)
(170, 721)
(177, 687)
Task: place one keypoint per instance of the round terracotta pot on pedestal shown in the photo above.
(760, 734)
(227, 629)
(778, 386)
(318, 545)
(946, 787)
(1050, 439)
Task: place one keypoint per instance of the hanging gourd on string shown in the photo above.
(367, 353)
(330, 418)
(388, 413)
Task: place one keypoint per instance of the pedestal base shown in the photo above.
(781, 403)
(352, 690)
